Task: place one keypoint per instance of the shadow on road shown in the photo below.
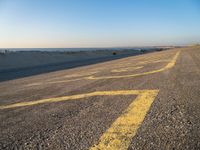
(29, 71)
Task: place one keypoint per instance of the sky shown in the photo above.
(98, 23)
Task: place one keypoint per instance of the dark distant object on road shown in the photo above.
(114, 53)
(159, 49)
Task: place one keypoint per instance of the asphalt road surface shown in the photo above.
(151, 101)
(11, 74)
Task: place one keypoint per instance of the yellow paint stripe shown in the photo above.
(152, 61)
(121, 132)
(65, 98)
(96, 78)
(168, 66)
(80, 74)
(126, 69)
(51, 82)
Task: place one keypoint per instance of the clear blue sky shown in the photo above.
(98, 23)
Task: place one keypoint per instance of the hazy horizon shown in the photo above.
(98, 24)
(3, 48)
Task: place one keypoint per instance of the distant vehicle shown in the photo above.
(114, 53)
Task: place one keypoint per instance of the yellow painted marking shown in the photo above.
(61, 81)
(152, 61)
(126, 69)
(80, 74)
(168, 66)
(130, 65)
(121, 132)
(173, 61)
(52, 82)
(65, 98)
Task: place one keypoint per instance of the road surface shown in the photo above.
(151, 101)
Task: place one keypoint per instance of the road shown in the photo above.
(16, 73)
(149, 101)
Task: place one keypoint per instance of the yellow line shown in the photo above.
(121, 132)
(65, 98)
(52, 82)
(61, 81)
(168, 66)
(126, 69)
(110, 77)
(81, 74)
(152, 61)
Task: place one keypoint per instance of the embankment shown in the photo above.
(25, 63)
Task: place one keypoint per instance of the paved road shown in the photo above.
(11, 74)
(149, 101)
